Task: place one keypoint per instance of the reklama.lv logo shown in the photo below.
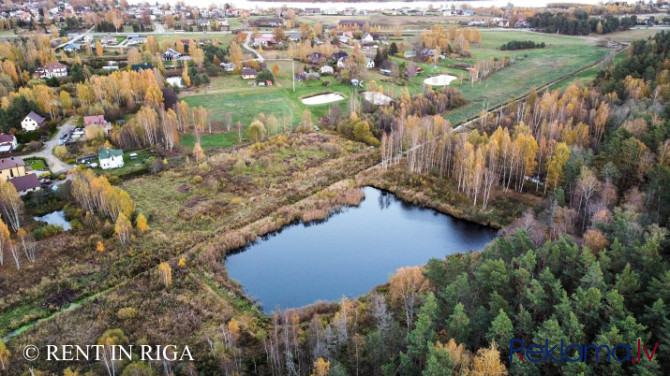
(576, 353)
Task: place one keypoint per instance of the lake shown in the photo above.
(56, 218)
(350, 253)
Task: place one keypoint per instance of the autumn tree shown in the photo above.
(235, 54)
(165, 273)
(4, 241)
(487, 362)
(406, 286)
(198, 153)
(28, 244)
(275, 70)
(123, 228)
(256, 130)
(555, 166)
(134, 56)
(98, 48)
(321, 367)
(4, 356)
(11, 205)
(109, 339)
(141, 223)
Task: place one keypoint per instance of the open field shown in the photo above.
(531, 68)
(632, 35)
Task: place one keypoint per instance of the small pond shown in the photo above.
(441, 80)
(376, 98)
(56, 218)
(350, 253)
(322, 99)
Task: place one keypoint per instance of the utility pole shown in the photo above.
(293, 73)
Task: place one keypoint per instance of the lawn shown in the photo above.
(36, 164)
(231, 93)
(144, 158)
(532, 68)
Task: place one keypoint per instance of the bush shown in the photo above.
(521, 45)
(46, 231)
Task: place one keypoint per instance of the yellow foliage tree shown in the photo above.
(123, 228)
(100, 247)
(141, 224)
(165, 272)
(487, 362)
(321, 367)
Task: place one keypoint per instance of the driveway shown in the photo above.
(246, 47)
(55, 164)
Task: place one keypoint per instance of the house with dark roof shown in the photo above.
(248, 73)
(171, 54)
(32, 121)
(22, 178)
(26, 183)
(110, 158)
(139, 67)
(316, 58)
(7, 143)
(340, 54)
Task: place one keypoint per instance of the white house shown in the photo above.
(110, 158)
(53, 69)
(326, 69)
(369, 63)
(367, 38)
(32, 121)
(7, 143)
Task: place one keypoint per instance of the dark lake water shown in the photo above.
(349, 254)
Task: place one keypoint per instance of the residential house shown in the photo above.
(316, 58)
(110, 158)
(139, 67)
(99, 120)
(263, 41)
(26, 183)
(367, 39)
(340, 62)
(228, 67)
(72, 47)
(312, 11)
(14, 171)
(7, 143)
(294, 36)
(248, 73)
(268, 22)
(326, 69)
(202, 22)
(32, 121)
(11, 168)
(108, 40)
(53, 69)
(369, 63)
(340, 54)
(171, 54)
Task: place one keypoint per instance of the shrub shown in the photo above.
(127, 313)
(47, 231)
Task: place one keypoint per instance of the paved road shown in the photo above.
(55, 164)
(76, 38)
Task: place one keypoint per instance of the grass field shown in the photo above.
(532, 68)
